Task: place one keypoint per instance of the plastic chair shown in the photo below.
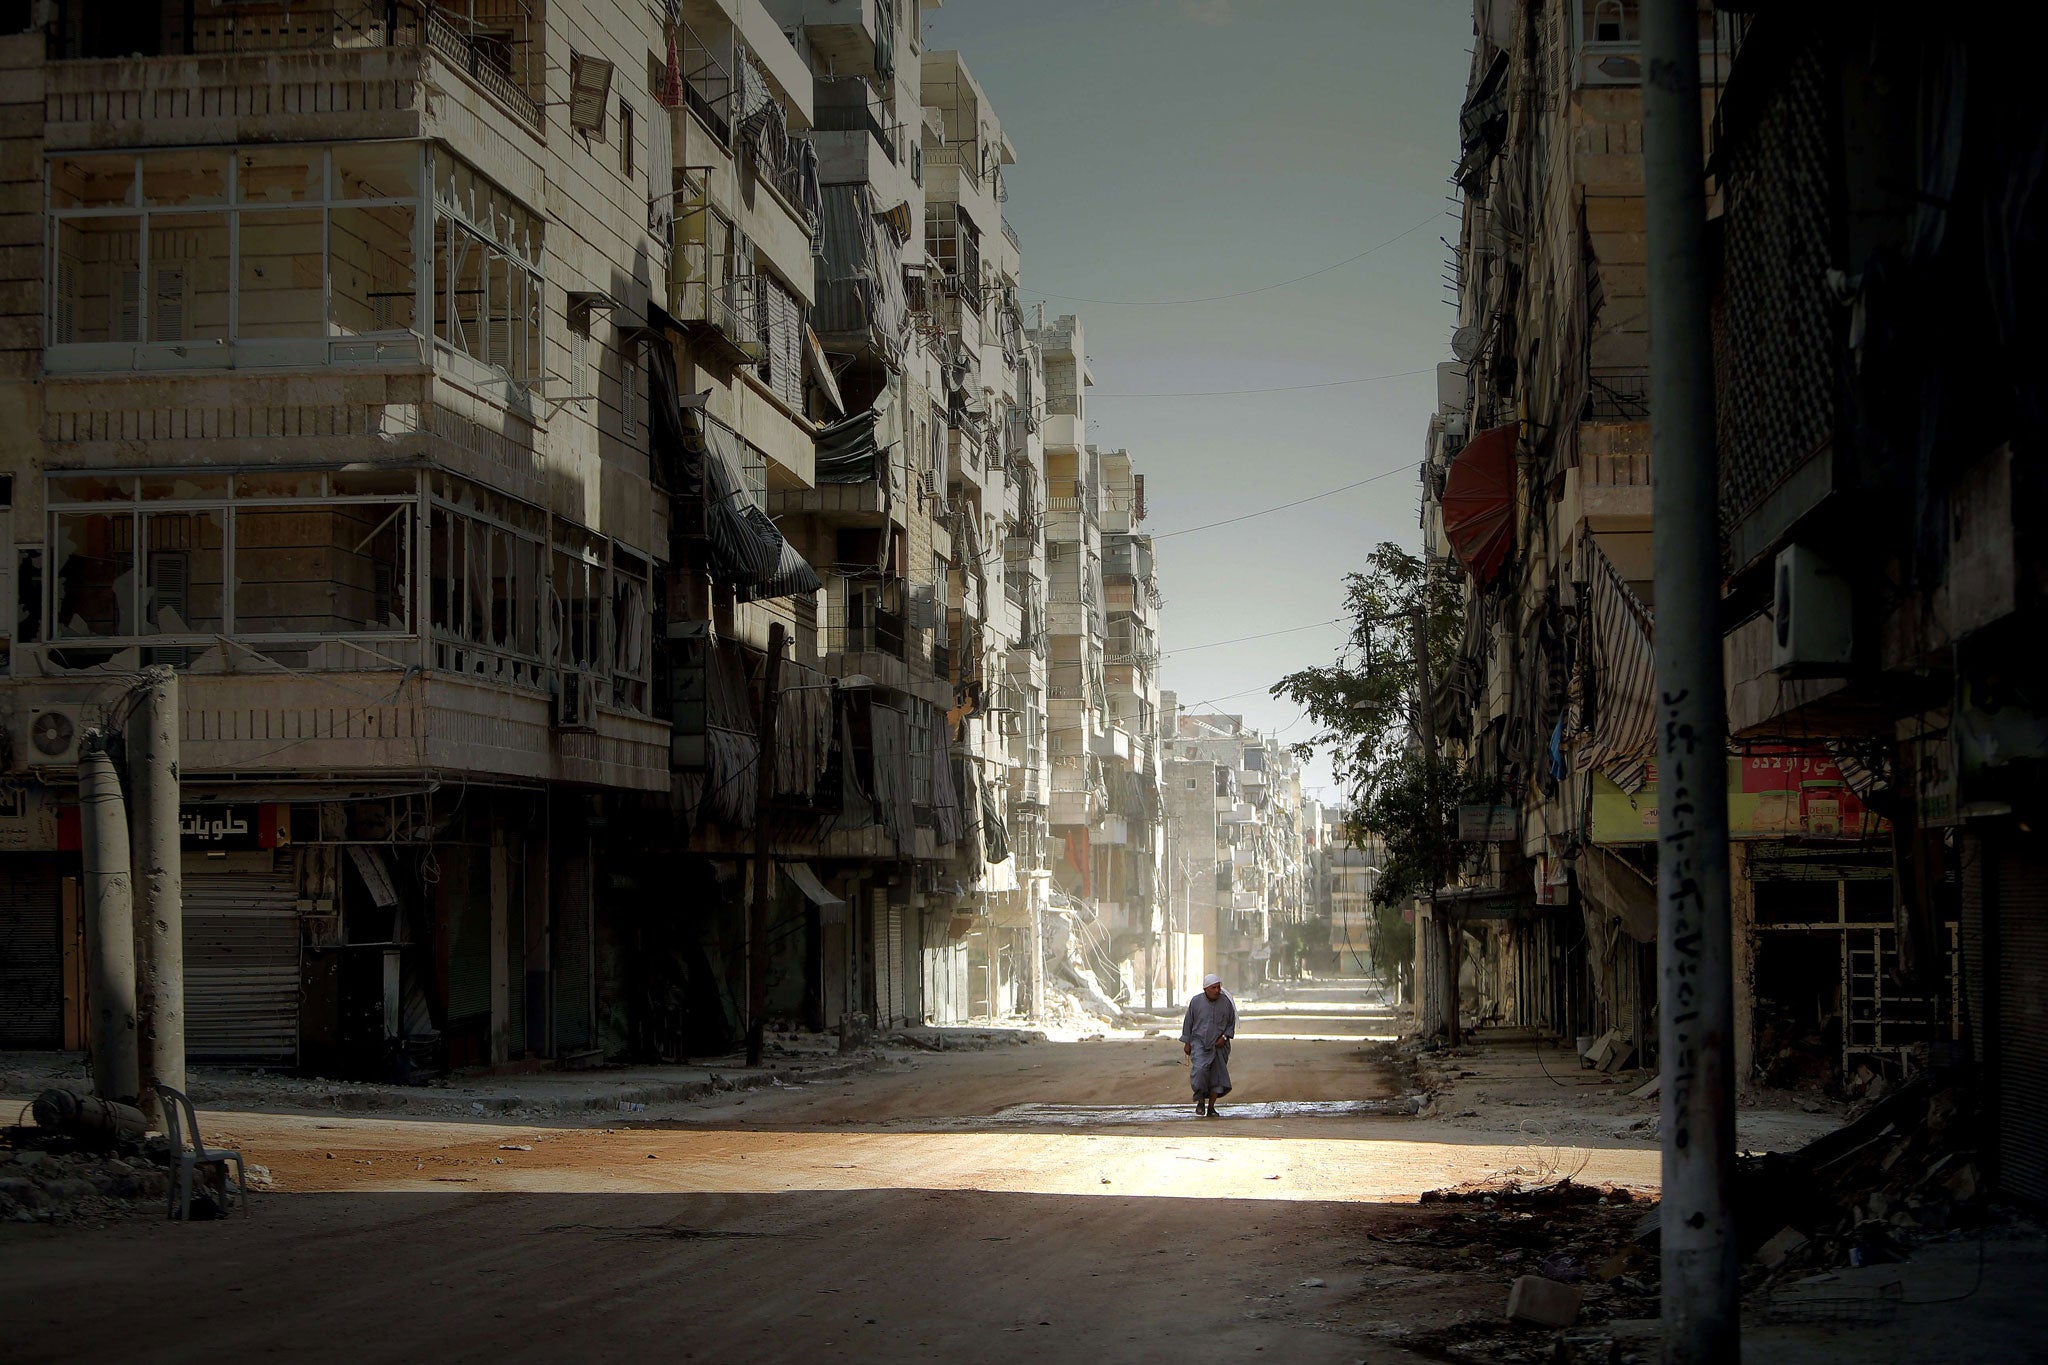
(199, 1155)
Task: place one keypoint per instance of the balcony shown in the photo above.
(855, 37)
(372, 69)
(728, 317)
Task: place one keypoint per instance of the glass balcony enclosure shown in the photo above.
(287, 255)
(342, 569)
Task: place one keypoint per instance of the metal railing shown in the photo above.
(1617, 396)
(966, 155)
(1011, 233)
(469, 57)
(707, 81)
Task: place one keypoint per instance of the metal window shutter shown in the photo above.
(466, 901)
(31, 953)
(570, 943)
(2019, 1030)
(242, 961)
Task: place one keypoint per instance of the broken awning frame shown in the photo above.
(831, 908)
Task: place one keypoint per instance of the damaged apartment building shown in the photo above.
(510, 422)
(1876, 386)
(1242, 851)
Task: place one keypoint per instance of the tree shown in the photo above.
(1368, 709)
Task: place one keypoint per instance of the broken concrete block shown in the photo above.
(1775, 1252)
(1537, 1302)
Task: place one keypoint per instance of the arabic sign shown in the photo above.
(211, 828)
(206, 829)
(28, 819)
(1486, 824)
(1772, 794)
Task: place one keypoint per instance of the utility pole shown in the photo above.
(764, 870)
(109, 922)
(1695, 944)
(159, 885)
(1425, 728)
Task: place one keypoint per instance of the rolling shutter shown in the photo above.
(242, 958)
(2019, 1023)
(31, 953)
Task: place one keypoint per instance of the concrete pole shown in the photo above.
(1694, 941)
(152, 736)
(764, 869)
(109, 923)
(1425, 728)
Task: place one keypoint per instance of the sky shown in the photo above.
(1182, 149)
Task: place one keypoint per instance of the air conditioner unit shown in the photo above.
(53, 734)
(1812, 633)
(576, 703)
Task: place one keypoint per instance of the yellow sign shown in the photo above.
(1778, 794)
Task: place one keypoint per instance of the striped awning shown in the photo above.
(1614, 691)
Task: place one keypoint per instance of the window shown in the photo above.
(237, 250)
(590, 87)
(190, 557)
(487, 266)
(629, 391)
(625, 139)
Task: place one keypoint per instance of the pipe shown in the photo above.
(109, 922)
(152, 736)
(1695, 942)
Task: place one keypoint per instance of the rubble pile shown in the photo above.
(1904, 1171)
(52, 1179)
(1554, 1242)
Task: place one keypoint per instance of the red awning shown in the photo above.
(1479, 502)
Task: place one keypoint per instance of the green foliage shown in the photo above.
(1363, 706)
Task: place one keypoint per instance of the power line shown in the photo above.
(1291, 630)
(1326, 493)
(1278, 388)
(1244, 293)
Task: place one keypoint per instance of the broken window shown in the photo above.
(183, 572)
(487, 266)
(196, 555)
(331, 570)
(631, 627)
(578, 603)
(95, 554)
(590, 87)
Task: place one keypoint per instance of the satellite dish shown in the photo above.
(1465, 343)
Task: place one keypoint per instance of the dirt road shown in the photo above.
(1056, 1198)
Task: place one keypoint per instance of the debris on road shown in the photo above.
(1536, 1302)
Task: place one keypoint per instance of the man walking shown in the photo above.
(1205, 1040)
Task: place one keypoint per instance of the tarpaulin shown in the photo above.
(1479, 502)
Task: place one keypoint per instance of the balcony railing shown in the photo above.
(1617, 396)
(966, 155)
(1011, 233)
(707, 79)
(481, 65)
(488, 57)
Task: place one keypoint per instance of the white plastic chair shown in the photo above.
(189, 1160)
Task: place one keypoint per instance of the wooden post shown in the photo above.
(757, 916)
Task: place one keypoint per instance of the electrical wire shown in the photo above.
(1291, 630)
(1244, 293)
(1266, 512)
(1278, 388)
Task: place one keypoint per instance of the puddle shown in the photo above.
(1109, 1115)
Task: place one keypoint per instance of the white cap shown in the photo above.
(1211, 980)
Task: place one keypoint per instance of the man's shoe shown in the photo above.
(1201, 1108)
